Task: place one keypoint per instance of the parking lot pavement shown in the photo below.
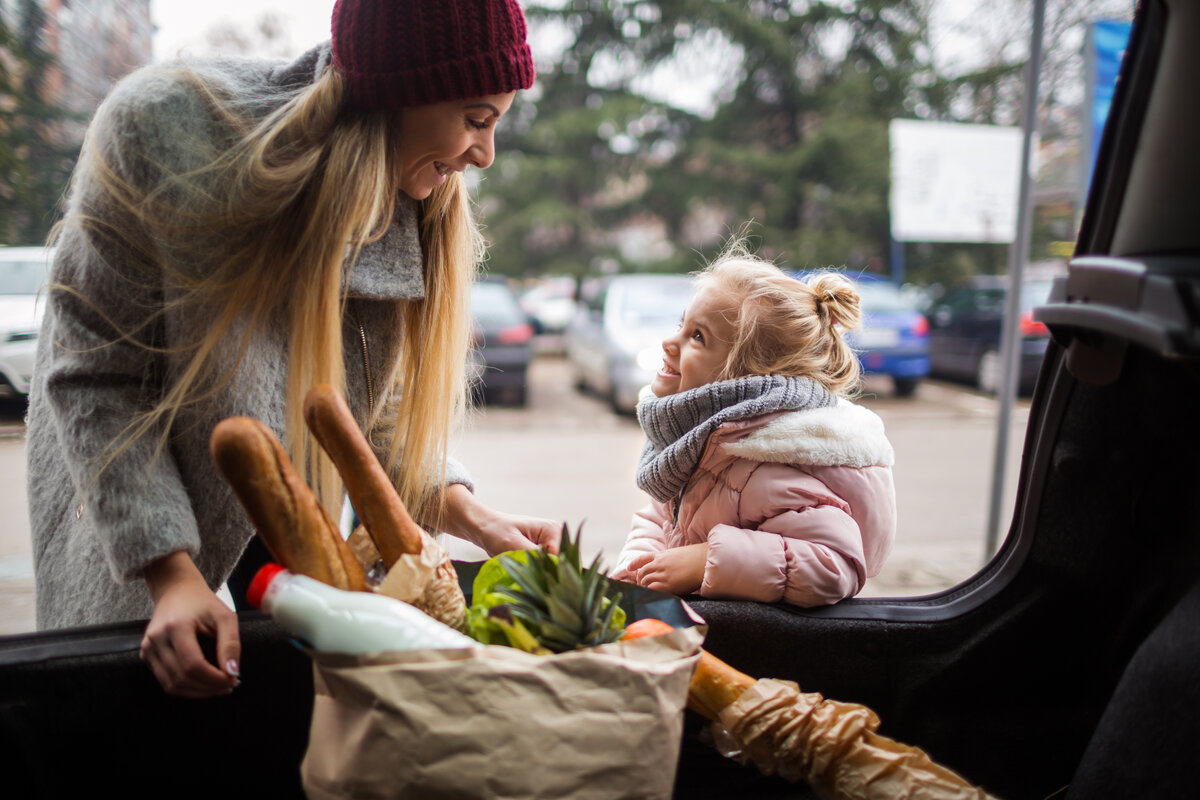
(16, 559)
(567, 457)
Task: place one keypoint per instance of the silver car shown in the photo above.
(614, 342)
(23, 275)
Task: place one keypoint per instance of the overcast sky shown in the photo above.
(181, 27)
(182, 24)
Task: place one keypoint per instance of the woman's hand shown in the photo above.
(494, 531)
(184, 607)
(677, 570)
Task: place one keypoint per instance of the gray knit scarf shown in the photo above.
(678, 425)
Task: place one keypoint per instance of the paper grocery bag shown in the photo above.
(486, 722)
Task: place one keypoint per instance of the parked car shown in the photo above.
(550, 304)
(965, 327)
(1066, 667)
(893, 339)
(23, 275)
(502, 343)
(614, 343)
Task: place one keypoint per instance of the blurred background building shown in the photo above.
(94, 43)
(59, 58)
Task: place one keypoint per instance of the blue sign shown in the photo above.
(1109, 39)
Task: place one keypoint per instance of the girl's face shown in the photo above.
(441, 138)
(696, 353)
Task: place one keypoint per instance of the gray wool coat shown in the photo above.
(94, 532)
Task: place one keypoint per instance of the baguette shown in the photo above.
(372, 493)
(283, 509)
(714, 684)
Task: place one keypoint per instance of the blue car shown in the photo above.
(894, 337)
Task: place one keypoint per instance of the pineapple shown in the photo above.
(539, 602)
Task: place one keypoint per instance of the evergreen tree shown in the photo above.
(572, 155)
(797, 141)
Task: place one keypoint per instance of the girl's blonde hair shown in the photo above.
(271, 215)
(785, 326)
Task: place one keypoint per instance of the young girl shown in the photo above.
(767, 483)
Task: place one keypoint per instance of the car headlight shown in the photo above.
(650, 358)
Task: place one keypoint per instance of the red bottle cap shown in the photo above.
(262, 579)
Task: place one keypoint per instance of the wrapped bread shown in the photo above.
(803, 736)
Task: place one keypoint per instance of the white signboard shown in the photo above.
(953, 182)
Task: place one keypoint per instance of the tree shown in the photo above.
(797, 140)
(794, 137)
(572, 165)
(35, 157)
(984, 83)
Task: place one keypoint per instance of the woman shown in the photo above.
(239, 231)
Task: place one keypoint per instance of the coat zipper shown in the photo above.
(362, 332)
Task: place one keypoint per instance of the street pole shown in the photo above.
(1010, 347)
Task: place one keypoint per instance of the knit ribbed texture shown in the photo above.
(678, 426)
(398, 53)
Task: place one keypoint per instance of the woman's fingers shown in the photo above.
(184, 609)
(178, 663)
(546, 533)
(229, 647)
(494, 531)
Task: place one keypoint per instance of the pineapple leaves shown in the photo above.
(552, 599)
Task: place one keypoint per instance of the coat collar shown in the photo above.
(391, 268)
(845, 435)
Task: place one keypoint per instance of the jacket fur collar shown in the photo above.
(845, 435)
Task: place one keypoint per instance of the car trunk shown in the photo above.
(1069, 661)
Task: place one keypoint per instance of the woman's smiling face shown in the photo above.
(441, 138)
(697, 352)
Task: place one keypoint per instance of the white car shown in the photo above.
(614, 343)
(23, 275)
(551, 303)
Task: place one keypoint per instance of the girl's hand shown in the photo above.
(677, 570)
(185, 607)
(494, 531)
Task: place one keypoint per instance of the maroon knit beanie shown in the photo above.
(398, 53)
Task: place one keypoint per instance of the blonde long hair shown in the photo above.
(277, 210)
(785, 326)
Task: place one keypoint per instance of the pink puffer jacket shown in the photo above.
(795, 506)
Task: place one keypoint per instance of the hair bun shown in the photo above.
(837, 300)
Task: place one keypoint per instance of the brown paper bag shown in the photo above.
(497, 722)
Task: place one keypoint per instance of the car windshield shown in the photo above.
(493, 303)
(653, 303)
(22, 277)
